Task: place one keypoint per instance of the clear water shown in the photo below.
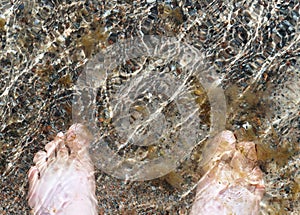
(251, 47)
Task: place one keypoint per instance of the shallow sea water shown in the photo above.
(252, 46)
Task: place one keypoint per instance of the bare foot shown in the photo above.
(233, 183)
(62, 180)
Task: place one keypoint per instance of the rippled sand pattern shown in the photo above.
(252, 45)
